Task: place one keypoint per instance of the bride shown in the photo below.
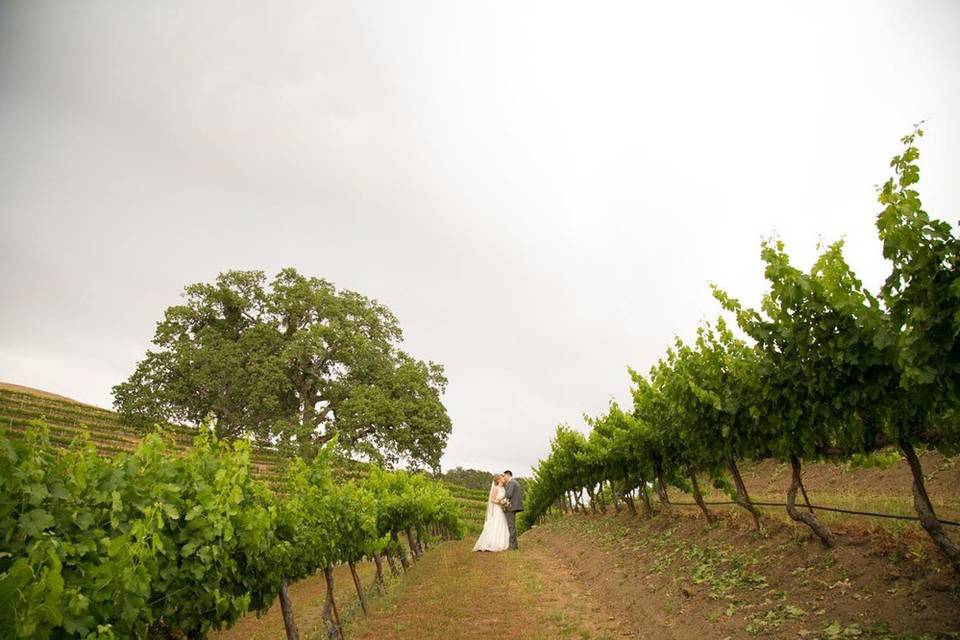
(495, 535)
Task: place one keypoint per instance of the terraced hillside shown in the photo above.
(68, 418)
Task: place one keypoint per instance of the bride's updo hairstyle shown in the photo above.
(497, 477)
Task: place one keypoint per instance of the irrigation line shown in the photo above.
(872, 514)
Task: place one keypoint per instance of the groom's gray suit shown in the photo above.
(514, 493)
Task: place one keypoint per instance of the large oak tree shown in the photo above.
(291, 362)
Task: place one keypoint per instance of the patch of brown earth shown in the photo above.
(308, 597)
(679, 577)
(886, 488)
(456, 594)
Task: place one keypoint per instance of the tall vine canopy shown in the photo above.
(292, 361)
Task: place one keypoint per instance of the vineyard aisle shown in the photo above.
(456, 594)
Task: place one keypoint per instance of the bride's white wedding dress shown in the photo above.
(495, 535)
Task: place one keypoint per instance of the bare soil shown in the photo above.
(308, 597)
(457, 594)
(887, 487)
(678, 577)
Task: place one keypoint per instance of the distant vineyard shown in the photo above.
(67, 419)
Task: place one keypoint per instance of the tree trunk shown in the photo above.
(359, 587)
(806, 518)
(414, 552)
(601, 500)
(593, 501)
(627, 498)
(742, 498)
(286, 609)
(578, 494)
(645, 498)
(698, 497)
(393, 564)
(614, 496)
(924, 508)
(806, 498)
(381, 586)
(662, 494)
(331, 617)
(400, 552)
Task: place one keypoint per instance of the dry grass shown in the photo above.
(456, 594)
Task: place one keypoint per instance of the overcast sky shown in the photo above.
(541, 191)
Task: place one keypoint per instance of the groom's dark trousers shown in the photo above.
(514, 493)
(512, 526)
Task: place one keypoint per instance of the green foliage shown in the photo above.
(134, 544)
(411, 501)
(824, 354)
(922, 297)
(876, 460)
(162, 543)
(830, 369)
(294, 362)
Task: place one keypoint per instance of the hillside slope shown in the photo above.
(67, 418)
(678, 577)
(885, 486)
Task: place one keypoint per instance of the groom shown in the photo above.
(514, 493)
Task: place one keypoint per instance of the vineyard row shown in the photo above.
(827, 370)
(159, 542)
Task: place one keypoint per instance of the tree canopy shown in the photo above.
(293, 362)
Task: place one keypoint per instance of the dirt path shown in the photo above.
(454, 594)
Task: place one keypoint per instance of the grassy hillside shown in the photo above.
(68, 418)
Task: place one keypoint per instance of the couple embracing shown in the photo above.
(500, 527)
